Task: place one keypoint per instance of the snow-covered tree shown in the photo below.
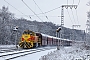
(5, 25)
(88, 27)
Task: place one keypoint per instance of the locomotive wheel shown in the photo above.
(35, 44)
(39, 44)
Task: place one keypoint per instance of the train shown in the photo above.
(30, 39)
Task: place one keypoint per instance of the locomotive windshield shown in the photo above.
(28, 32)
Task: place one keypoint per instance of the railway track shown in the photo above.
(16, 54)
(8, 50)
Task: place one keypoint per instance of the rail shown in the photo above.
(16, 54)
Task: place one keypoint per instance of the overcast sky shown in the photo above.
(71, 17)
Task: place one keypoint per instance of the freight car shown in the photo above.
(30, 39)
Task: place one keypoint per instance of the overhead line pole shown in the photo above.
(62, 12)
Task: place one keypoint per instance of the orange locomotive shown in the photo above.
(29, 40)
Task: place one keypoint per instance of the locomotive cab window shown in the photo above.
(24, 32)
(28, 32)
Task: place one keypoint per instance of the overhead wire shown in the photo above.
(41, 16)
(79, 2)
(77, 17)
(73, 1)
(67, 2)
(69, 14)
(50, 10)
(15, 8)
(76, 12)
(78, 25)
(73, 14)
(47, 11)
(40, 9)
(32, 11)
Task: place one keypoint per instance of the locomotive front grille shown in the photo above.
(26, 44)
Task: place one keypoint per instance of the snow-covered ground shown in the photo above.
(68, 53)
(34, 56)
(7, 46)
(75, 52)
